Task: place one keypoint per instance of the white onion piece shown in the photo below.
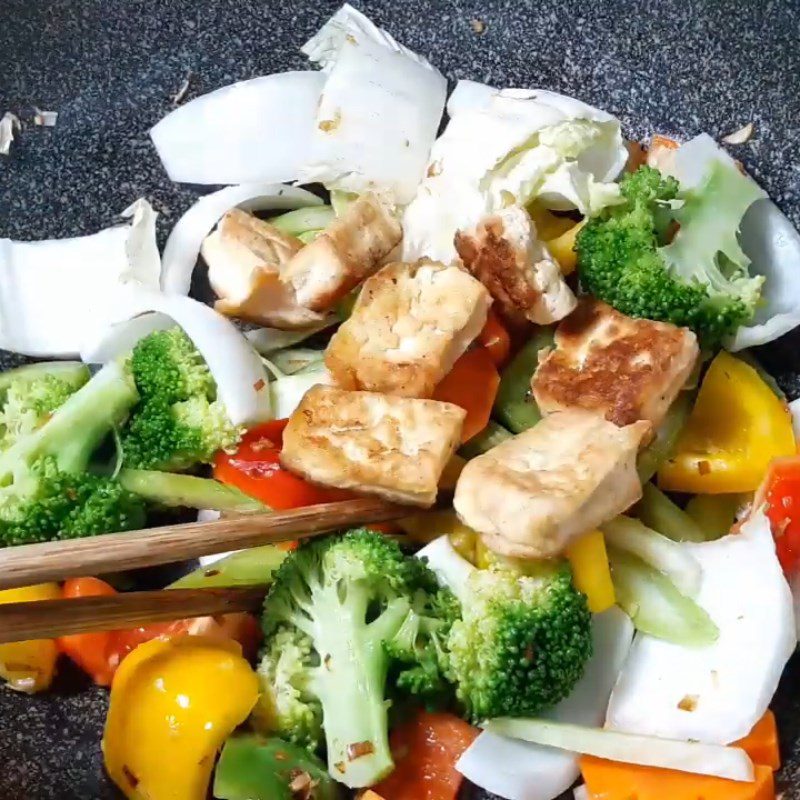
(56, 293)
(731, 763)
(268, 340)
(378, 113)
(794, 410)
(184, 242)
(242, 383)
(450, 567)
(670, 557)
(581, 793)
(769, 240)
(730, 683)
(520, 770)
(255, 130)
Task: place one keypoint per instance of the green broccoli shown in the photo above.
(333, 606)
(523, 639)
(700, 279)
(419, 649)
(179, 422)
(30, 394)
(46, 490)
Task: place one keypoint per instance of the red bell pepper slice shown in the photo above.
(255, 469)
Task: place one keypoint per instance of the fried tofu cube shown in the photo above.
(530, 496)
(504, 253)
(244, 255)
(409, 325)
(351, 248)
(393, 447)
(621, 368)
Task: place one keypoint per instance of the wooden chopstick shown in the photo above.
(46, 619)
(113, 552)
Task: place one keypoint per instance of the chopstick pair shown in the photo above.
(53, 561)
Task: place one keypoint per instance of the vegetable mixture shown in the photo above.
(529, 322)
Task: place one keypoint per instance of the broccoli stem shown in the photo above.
(350, 683)
(76, 429)
(187, 491)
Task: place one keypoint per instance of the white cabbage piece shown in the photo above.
(511, 147)
(242, 381)
(715, 694)
(57, 292)
(519, 770)
(767, 237)
(254, 130)
(184, 242)
(379, 110)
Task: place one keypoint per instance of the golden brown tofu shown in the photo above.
(244, 255)
(622, 368)
(505, 255)
(393, 447)
(530, 496)
(351, 248)
(409, 325)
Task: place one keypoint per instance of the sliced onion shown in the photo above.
(671, 558)
(450, 568)
(298, 360)
(183, 246)
(520, 770)
(581, 793)
(731, 763)
(56, 293)
(255, 130)
(379, 110)
(242, 383)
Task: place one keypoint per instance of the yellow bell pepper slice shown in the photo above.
(562, 248)
(591, 572)
(737, 426)
(173, 704)
(424, 528)
(29, 666)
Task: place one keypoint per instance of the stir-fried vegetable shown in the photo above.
(515, 407)
(591, 572)
(254, 468)
(655, 605)
(736, 428)
(173, 703)
(658, 512)
(257, 768)
(699, 279)
(731, 763)
(472, 384)
(426, 749)
(29, 666)
(334, 605)
(658, 551)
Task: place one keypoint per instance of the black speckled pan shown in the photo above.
(110, 67)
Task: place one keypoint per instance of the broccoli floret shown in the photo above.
(30, 394)
(700, 279)
(46, 490)
(420, 648)
(333, 605)
(523, 640)
(179, 422)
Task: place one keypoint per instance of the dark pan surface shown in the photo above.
(110, 68)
